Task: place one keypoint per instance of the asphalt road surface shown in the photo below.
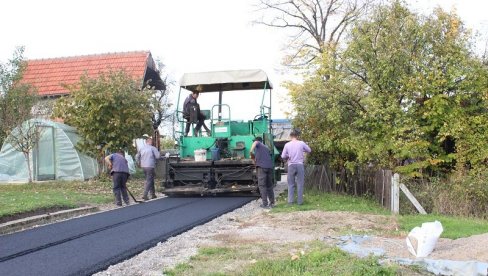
(86, 245)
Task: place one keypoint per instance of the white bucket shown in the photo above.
(200, 154)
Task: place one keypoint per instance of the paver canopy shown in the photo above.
(225, 81)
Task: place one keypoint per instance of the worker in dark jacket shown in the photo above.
(264, 169)
(119, 169)
(190, 106)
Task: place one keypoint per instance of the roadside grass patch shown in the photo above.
(312, 258)
(179, 269)
(214, 253)
(321, 261)
(315, 200)
(18, 199)
(454, 227)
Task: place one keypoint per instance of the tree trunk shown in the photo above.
(27, 159)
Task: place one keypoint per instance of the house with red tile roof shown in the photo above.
(49, 75)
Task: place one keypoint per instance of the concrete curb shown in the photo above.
(20, 224)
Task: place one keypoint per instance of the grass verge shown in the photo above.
(17, 199)
(313, 258)
(314, 200)
(454, 227)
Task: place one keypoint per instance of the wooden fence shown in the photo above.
(362, 181)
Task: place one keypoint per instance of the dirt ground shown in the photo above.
(329, 226)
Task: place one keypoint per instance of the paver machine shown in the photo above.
(219, 162)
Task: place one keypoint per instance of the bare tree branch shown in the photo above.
(321, 23)
(24, 138)
(161, 103)
(363, 78)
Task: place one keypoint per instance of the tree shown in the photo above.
(108, 111)
(24, 138)
(16, 98)
(318, 25)
(406, 93)
(160, 103)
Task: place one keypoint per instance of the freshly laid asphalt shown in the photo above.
(86, 245)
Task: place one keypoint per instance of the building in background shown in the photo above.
(49, 76)
(281, 132)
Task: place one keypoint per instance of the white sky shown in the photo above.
(187, 35)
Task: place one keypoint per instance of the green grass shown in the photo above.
(139, 174)
(205, 255)
(323, 261)
(314, 200)
(454, 227)
(24, 198)
(179, 269)
(317, 259)
(210, 252)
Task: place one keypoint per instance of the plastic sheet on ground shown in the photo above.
(353, 245)
(448, 267)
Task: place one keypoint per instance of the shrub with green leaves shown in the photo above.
(108, 111)
(405, 92)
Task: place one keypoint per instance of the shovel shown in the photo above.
(131, 195)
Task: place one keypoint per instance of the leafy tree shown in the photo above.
(16, 98)
(406, 93)
(108, 111)
(167, 143)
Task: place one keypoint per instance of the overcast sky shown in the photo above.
(187, 35)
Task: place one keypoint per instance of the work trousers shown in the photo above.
(201, 122)
(149, 183)
(296, 176)
(265, 184)
(119, 180)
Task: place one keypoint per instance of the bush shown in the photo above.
(424, 191)
(464, 195)
(459, 195)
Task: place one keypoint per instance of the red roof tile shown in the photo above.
(48, 75)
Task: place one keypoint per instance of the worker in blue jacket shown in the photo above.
(119, 169)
